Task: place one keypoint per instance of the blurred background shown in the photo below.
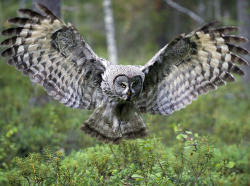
(141, 27)
(30, 121)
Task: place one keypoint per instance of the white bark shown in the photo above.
(217, 9)
(1, 15)
(201, 8)
(22, 3)
(185, 11)
(110, 31)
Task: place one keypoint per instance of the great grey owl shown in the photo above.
(57, 57)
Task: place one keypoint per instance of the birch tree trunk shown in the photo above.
(110, 31)
(217, 10)
(244, 24)
(1, 16)
(22, 3)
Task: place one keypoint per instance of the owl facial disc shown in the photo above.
(127, 88)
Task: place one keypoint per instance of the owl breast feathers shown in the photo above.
(55, 56)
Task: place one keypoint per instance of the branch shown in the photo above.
(185, 11)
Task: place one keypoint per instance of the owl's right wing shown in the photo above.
(55, 56)
(189, 66)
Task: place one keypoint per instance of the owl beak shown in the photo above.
(128, 98)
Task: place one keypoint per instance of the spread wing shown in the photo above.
(55, 56)
(189, 66)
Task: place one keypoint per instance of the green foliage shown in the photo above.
(47, 169)
(193, 160)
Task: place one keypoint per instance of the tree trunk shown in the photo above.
(244, 24)
(110, 31)
(209, 10)
(201, 10)
(22, 3)
(1, 17)
(217, 10)
(53, 5)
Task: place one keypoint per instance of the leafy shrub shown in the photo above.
(193, 160)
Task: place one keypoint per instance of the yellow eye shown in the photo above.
(134, 84)
(123, 85)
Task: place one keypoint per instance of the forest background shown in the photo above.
(206, 143)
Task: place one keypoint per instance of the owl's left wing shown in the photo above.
(189, 66)
(56, 57)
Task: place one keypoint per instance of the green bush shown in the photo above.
(192, 160)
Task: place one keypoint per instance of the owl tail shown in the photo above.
(112, 128)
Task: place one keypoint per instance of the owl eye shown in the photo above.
(134, 84)
(123, 85)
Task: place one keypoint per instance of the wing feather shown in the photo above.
(55, 56)
(189, 66)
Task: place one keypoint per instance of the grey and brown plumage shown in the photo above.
(55, 56)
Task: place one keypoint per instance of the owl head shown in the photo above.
(127, 88)
(125, 82)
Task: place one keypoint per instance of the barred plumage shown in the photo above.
(63, 76)
(57, 57)
(206, 62)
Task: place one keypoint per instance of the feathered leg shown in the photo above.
(111, 124)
